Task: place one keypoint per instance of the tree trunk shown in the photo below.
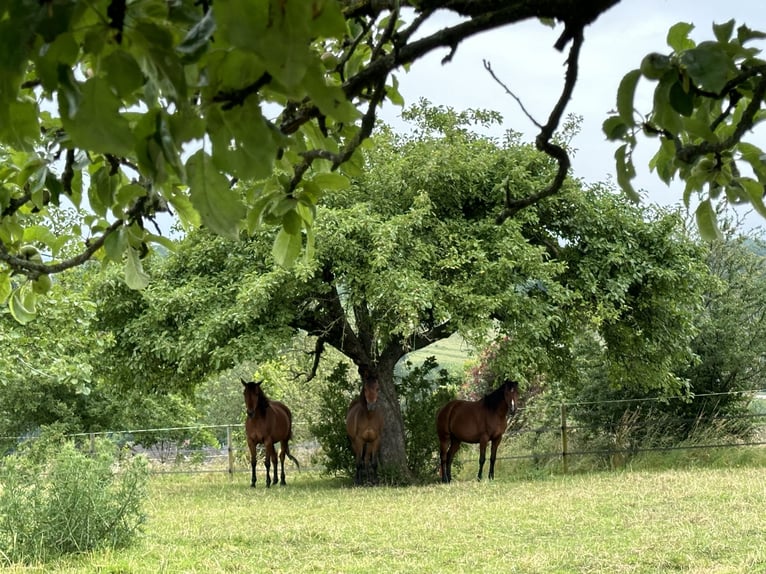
(393, 456)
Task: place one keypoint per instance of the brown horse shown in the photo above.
(268, 422)
(474, 422)
(364, 423)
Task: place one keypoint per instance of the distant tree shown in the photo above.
(731, 343)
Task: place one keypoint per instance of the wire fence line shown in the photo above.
(223, 448)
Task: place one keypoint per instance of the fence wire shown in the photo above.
(200, 449)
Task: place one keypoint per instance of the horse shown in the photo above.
(474, 422)
(268, 422)
(364, 423)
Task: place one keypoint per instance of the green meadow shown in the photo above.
(697, 520)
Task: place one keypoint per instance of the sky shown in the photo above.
(523, 57)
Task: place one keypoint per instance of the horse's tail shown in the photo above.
(295, 460)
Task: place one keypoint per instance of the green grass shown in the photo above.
(702, 520)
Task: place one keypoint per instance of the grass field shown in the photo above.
(703, 520)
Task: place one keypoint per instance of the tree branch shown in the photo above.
(543, 141)
(690, 152)
(33, 269)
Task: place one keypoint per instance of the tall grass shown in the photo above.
(702, 520)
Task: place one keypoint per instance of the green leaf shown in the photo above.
(678, 36)
(183, 207)
(196, 41)
(393, 94)
(123, 73)
(723, 31)
(115, 245)
(663, 161)
(23, 303)
(625, 172)
(243, 142)
(158, 59)
(96, 124)
(287, 247)
(127, 194)
(23, 129)
(135, 277)
(707, 222)
(745, 34)
(166, 242)
(5, 287)
(39, 234)
(281, 35)
(625, 94)
(292, 222)
(708, 65)
(755, 157)
(754, 190)
(681, 100)
(219, 206)
(614, 128)
(328, 20)
(664, 116)
(101, 191)
(331, 100)
(331, 181)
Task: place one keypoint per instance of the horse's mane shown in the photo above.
(493, 399)
(263, 400)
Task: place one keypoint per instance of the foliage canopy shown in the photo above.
(237, 114)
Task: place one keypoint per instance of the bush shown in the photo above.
(55, 499)
(423, 391)
(329, 426)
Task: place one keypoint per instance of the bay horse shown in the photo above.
(268, 422)
(364, 423)
(474, 422)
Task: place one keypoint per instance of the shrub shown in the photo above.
(55, 499)
(329, 425)
(423, 391)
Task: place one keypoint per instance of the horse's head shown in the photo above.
(370, 393)
(511, 393)
(255, 400)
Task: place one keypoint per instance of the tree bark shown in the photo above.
(393, 453)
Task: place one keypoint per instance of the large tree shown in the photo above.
(98, 99)
(410, 253)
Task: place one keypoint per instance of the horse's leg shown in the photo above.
(443, 448)
(366, 462)
(482, 455)
(282, 454)
(453, 448)
(268, 447)
(374, 460)
(493, 456)
(357, 446)
(253, 451)
(274, 462)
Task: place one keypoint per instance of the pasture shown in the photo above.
(701, 520)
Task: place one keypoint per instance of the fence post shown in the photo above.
(230, 448)
(564, 437)
(92, 444)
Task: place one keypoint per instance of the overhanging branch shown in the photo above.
(543, 141)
